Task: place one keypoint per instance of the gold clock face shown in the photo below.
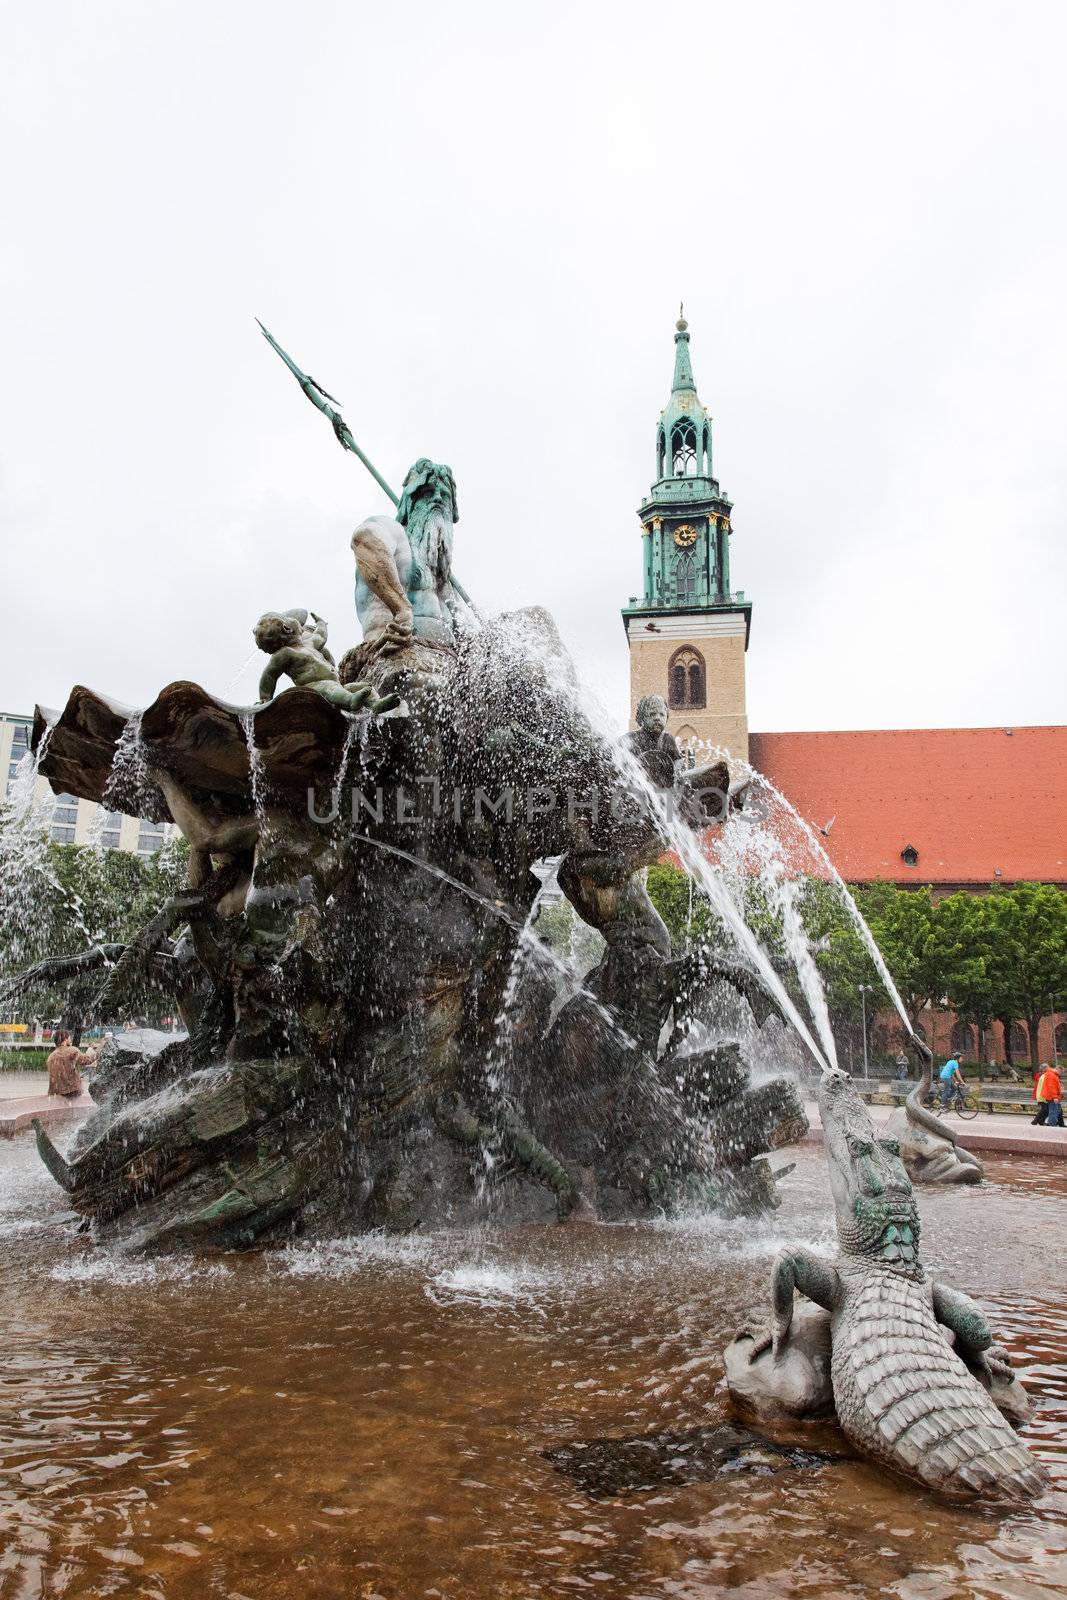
(685, 536)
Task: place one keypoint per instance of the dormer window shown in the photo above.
(909, 855)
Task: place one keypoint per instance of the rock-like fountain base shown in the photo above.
(375, 1033)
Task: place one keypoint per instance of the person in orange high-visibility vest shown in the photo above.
(1048, 1094)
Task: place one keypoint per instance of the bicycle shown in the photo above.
(963, 1104)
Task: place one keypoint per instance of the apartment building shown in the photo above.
(70, 820)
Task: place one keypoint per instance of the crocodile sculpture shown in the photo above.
(903, 1395)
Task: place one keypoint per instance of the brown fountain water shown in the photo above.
(455, 1414)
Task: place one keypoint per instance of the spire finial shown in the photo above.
(683, 371)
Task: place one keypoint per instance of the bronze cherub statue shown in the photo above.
(297, 648)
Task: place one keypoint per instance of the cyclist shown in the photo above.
(951, 1081)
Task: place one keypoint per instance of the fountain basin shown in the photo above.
(387, 1415)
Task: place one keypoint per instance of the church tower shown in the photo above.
(688, 633)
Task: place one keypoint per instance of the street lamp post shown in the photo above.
(865, 989)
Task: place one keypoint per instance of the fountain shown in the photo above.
(383, 1043)
(375, 1034)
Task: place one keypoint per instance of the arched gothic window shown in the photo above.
(963, 1041)
(685, 578)
(686, 680)
(683, 450)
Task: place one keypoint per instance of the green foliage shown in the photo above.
(903, 922)
(843, 960)
(25, 1059)
(1025, 954)
(683, 908)
(563, 930)
(963, 920)
(62, 899)
(1001, 955)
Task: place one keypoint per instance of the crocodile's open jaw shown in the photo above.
(876, 1213)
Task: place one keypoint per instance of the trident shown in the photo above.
(325, 402)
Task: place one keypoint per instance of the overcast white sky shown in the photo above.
(473, 223)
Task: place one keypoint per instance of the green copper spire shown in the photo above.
(685, 519)
(683, 438)
(683, 369)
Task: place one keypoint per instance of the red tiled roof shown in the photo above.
(969, 800)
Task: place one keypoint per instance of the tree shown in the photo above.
(903, 922)
(843, 959)
(964, 927)
(62, 899)
(1025, 962)
(680, 903)
(563, 930)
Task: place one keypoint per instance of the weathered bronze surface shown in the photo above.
(909, 1366)
(360, 1051)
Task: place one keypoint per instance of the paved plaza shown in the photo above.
(999, 1130)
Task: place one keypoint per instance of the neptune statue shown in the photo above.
(404, 586)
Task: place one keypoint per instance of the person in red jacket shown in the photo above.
(1048, 1094)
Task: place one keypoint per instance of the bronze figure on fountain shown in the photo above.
(343, 953)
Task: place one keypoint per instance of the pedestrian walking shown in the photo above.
(1049, 1097)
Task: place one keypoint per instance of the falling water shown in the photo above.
(355, 734)
(25, 867)
(130, 786)
(255, 761)
(750, 853)
(843, 890)
(676, 834)
(22, 794)
(528, 953)
(687, 846)
(539, 950)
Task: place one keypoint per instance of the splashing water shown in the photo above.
(255, 762)
(27, 879)
(749, 852)
(687, 846)
(486, 1285)
(845, 894)
(129, 785)
(527, 641)
(537, 949)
